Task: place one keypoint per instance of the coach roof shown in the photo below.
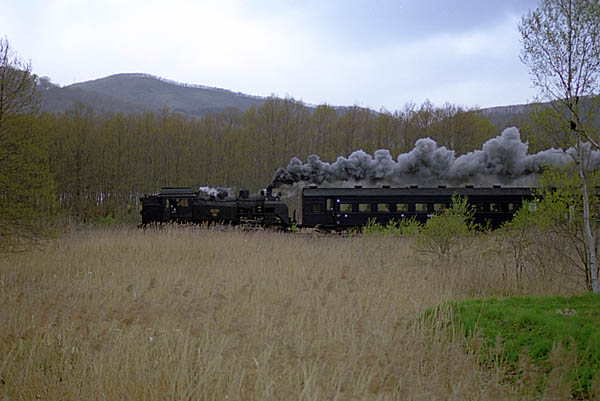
(412, 191)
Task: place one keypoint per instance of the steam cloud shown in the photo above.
(503, 159)
(216, 192)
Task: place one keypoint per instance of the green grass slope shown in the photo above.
(551, 332)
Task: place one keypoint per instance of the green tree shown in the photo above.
(549, 233)
(26, 190)
(561, 47)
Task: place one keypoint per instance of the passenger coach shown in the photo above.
(341, 208)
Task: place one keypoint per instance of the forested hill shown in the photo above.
(138, 93)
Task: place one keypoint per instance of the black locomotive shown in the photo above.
(185, 205)
(330, 208)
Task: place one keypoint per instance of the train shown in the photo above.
(331, 208)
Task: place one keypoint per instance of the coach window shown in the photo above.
(383, 207)
(438, 207)
(511, 207)
(346, 207)
(316, 208)
(402, 207)
(183, 203)
(479, 207)
(420, 207)
(364, 207)
(330, 204)
(495, 207)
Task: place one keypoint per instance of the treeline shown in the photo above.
(101, 163)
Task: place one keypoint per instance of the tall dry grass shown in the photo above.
(199, 314)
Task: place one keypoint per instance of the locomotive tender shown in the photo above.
(331, 208)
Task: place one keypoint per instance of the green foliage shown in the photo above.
(533, 327)
(448, 230)
(372, 227)
(26, 185)
(400, 228)
(406, 227)
(551, 228)
(109, 221)
(562, 204)
(27, 192)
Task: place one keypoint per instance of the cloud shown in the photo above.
(379, 53)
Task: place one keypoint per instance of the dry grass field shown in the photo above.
(198, 314)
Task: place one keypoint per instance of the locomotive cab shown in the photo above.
(177, 203)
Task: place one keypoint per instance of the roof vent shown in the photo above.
(441, 186)
(312, 186)
(414, 186)
(244, 193)
(385, 186)
(469, 186)
(497, 186)
(358, 186)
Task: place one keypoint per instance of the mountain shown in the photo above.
(507, 116)
(139, 93)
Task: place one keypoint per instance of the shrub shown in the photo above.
(401, 228)
(447, 230)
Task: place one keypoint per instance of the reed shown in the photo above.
(190, 313)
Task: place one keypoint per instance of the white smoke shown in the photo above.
(214, 191)
(503, 159)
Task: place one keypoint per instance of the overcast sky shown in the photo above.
(377, 53)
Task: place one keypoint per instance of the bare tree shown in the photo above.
(561, 47)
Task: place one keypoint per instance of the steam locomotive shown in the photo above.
(185, 205)
(330, 208)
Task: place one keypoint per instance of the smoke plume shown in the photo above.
(216, 192)
(503, 159)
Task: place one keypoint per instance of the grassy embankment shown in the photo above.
(548, 343)
(196, 314)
